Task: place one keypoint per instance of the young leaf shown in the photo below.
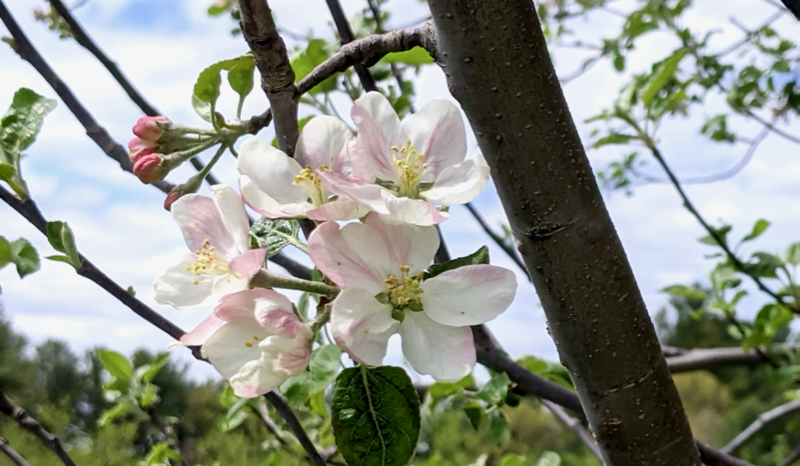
(499, 431)
(685, 291)
(475, 412)
(61, 238)
(495, 391)
(206, 88)
(275, 234)
(416, 56)
(764, 265)
(321, 372)
(112, 413)
(662, 74)
(21, 254)
(760, 226)
(722, 233)
(116, 364)
(202, 108)
(23, 120)
(440, 390)
(792, 254)
(314, 54)
(240, 77)
(549, 458)
(481, 256)
(376, 417)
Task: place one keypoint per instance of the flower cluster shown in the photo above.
(398, 178)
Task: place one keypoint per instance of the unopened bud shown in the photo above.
(150, 128)
(149, 168)
(137, 148)
(192, 185)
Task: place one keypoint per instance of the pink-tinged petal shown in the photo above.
(248, 263)
(362, 326)
(241, 306)
(284, 323)
(469, 295)
(233, 346)
(288, 355)
(411, 211)
(265, 205)
(459, 184)
(340, 209)
(148, 129)
(351, 161)
(357, 189)
(228, 283)
(203, 331)
(181, 288)
(234, 217)
(271, 172)
(445, 353)
(137, 148)
(200, 220)
(438, 132)
(354, 256)
(321, 141)
(378, 130)
(408, 244)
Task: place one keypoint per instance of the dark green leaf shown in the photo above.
(764, 265)
(475, 413)
(499, 431)
(24, 256)
(61, 238)
(275, 234)
(495, 391)
(116, 364)
(146, 372)
(664, 72)
(481, 256)
(415, 56)
(760, 226)
(376, 417)
(321, 372)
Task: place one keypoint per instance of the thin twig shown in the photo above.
(12, 454)
(346, 36)
(575, 426)
(761, 421)
(21, 417)
(793, 456)
(280, 405)
(710, 358)
(397, 72)
(510, 252)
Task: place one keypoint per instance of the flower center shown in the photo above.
(409, 165)
(403, 293)
(207, 262)
(310, 182)
(255, 341)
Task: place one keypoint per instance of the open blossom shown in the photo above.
(380, 268)
(217, 231)
(278, 186)
(254, 340)
(402, 170)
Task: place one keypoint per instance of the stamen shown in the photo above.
(207, 262)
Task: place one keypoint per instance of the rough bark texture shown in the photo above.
(498, 67)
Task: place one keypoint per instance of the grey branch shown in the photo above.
(510, 252)
(762, 421)
(15, 457)
(346, 36)
(575, 426)
(793, 456)
(21, 417)
(703, 359)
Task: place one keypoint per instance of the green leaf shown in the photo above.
(314, 54)
(685, 291)
(440, 390)
(61, 238)
(206, 88)
(549, 458)
(499, 431)
(203, 109)
(240, 77)
(613, 138)
(147, 372)
(23, 120)
(116, 364)
(415, 56)
(275, 234)
(495, 391)
(792, 254)
(5, 252)
(322, 370)
(481, 256)
(513, 460)
(663, 73)
(722, 232)
(764, 265)
(376, 416)
(475, 412)
(161, 453)
(24, 256)
(112, 413)
(760, 226)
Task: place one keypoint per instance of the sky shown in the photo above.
(161, 46)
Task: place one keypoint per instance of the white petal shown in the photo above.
(354, 256)
(469, 295)
(288, 355)
(255, 378)
(408, 244)
(378, 130)
(445, 353)
(231, 209)
(340, 209)
(438, 132)
(412, 211)
(321, 142)
(241, 306)
(227, 349)
(262, 203)
(362, 326)
(459, 184)
(182, 288)
(248, 263)
(357, 189)
(271, 171)
(203, 331)
(200, 220)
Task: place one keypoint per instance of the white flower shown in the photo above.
(278, 186)
(217, 230)
(380, 268)
(254, 340)
(402, 169)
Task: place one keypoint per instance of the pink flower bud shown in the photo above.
(149, 169)
(174, 195)
(137, 148)
(148, 127)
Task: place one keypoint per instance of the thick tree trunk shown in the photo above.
(497, 66)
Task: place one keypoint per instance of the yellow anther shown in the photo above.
(248, 344)
(255, 337)
(404, 292)
(309, 180)
(404, 268)
(207, 262)
(195, 282)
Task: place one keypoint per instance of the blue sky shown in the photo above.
(120, 225)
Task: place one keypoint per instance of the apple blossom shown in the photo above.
(150, 128)
(254, 340)
(278, 186)
(149, 168)
(401, 170)
(380, 268)
(217, 231)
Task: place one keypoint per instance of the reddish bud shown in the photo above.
(174, 195)
(149, 168)
(148, 128)
(137, 148)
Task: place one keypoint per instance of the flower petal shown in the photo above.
(182, 288)
(354, 256)
(227, 349)
(200, 220)
(203, 331)
(368, 194)
(321, 142)
(255, 378)
(262, 203)
(227, 283)
(469, 295)
(408, 244)
(271, 171)
(241, 306)
(438, 132)
(445, 353)
(249, 263)
(362, 326)
(378, 130)
(411, 211)
(460, 183)
(340, 209)
(289, 355)
(231, 208)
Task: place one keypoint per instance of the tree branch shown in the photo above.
(21, 417)
(93, 129)
(510, 252)
(762, 421)
(280, 405)
(793, 456)
(12, 454)
(575, 426)
(709, 358)
(346, 36)
(397, 72)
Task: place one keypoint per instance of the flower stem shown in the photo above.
(267, 279)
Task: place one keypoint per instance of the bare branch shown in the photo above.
(12, 454)
(762, 421)
(575, 426)
(510, 252)
(280, 405)
(703, 359)
(793, 456)
(397, 72)
(346, 36)
(21, 417)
